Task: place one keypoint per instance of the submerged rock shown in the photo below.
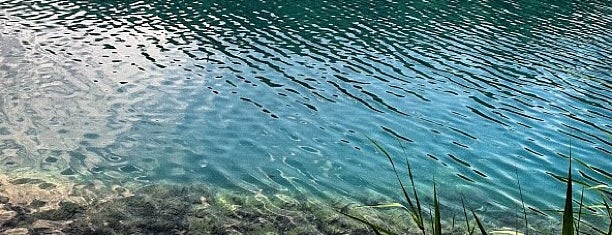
(170, 209)
(4, 199)
(16, 231)
(66, 211)
(95, 208)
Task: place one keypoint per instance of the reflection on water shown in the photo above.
(279, 96)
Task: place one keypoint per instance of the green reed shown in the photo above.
(568, 214)
(570, 225)
(518, 183)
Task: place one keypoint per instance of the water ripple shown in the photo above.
(280, 95)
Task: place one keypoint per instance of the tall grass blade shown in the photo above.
(431, 219)
(518, 181)
(480, 226)
(579, 212)
(438, 224)
(609, 216)
(467, 221)
(413, 211)
(419, 212)
(568, 216)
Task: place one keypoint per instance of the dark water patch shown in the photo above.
(602, 172)
(310, 149)
(460, 145)
(433, 157)
(4, 199)
(479, 113)
(603, 150)
(583, 135)
(463, 133)
(590, 124)
(46, 185)
(128, 169)
(462, 162)
(345, 91)
(37, 203)
(576, 136)
(26, 181)
(68, 171)
(591, 178)
(524, 125)
(533, 152)
(480, 173)
(77, 155)
(4, 131)
(395, 134)
(482, 102)
(463, 177)
(522, 114)
(97, 169)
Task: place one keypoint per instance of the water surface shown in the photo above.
(268, 97)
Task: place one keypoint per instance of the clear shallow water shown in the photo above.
(279, 96)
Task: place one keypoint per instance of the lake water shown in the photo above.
(268, 97)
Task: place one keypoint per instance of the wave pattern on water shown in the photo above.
(280, 95)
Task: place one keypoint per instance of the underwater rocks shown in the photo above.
(27, 208)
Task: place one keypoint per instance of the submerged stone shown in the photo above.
(16, 231)
(26, 181)
(4, 199)
(46, 185)
(21, 217)
(37, 203)
(68, 171)
(51, 159)
(67, 210)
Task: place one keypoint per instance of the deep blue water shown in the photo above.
(280, 96)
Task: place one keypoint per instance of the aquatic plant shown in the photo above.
(518, 183)
(568, 215)
(570, 224)
(414, 207)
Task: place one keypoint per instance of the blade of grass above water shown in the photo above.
(419, 212)
(416, 197)
(480, 226)
(413, 211)
(568, 216)
(518, 181)
(435, 217)
(467, 221)
(609, 215)
(580, 212)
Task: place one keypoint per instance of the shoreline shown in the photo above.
(36, 203)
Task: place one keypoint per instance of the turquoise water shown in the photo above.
(279, 96)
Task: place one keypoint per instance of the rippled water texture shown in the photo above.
(279, 96)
